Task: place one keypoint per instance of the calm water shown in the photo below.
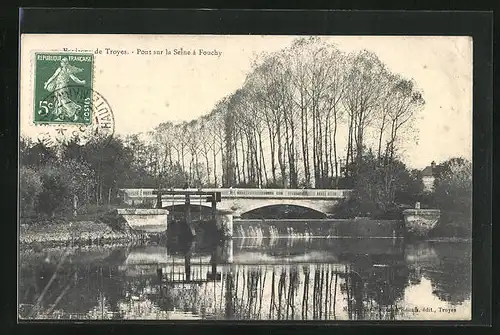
(253, 279)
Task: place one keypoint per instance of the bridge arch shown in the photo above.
(283, 211)
(195, 208)
(241, 206)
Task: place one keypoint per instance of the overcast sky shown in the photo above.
(145, 90)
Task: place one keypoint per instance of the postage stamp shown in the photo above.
(94, 106)
(55, 75)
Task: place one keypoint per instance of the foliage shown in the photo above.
(453, 195)
(109, 160)
(30, 188)
(411, 189)
(35, 154)
(381, 188)
(55, 194)
(60, 183)
(51, 178)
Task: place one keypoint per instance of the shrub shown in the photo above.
(55, 193)
(30, 187)
(379, 187)
(60, 183)
(453, 195)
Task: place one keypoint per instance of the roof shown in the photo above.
(427, 172)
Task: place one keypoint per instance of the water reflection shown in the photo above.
(328, 279)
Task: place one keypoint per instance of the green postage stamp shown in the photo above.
(63, 88)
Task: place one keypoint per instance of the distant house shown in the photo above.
(428, 177)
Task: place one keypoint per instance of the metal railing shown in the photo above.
(248, 193)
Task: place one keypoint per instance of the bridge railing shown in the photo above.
(247, 192)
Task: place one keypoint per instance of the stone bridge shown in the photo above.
(241, 200)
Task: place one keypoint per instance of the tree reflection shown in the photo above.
(69, 286)
(357, 286)
(384, 291)
(451, 275)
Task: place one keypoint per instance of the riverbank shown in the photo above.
(86, 232)
(66, 233)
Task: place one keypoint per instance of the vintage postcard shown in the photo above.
(221, 177)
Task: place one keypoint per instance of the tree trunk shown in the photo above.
(243, 162)
(315, 152)
(100, 192)
(293, 160)
(273, 153)
(287, 142)
(380, 137)
(182, 158)
(215, 166)
(335, 148)
(262, 167)
(257, 158)
(249, 160)
(305, 144)
(237, 164)
(321, 150)
(280, 158)
(263, 161)
(207, 164)
(326, 150)
(198, 172)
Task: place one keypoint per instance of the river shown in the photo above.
(250, 279)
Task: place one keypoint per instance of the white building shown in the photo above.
(428, 177)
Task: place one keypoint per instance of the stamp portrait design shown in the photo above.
(55, 75)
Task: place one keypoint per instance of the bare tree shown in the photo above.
(405, 101)
(206, 144)
(163, 148)
(192, 131)
(335, 63)
(302, 101)
(362, 97)
(282, 126)
(216, 122)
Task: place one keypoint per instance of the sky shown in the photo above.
(145, 89)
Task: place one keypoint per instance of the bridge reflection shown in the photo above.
(265, 288)
(326, 280)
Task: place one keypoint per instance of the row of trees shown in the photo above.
(50, 178)
(53, 178)
(304, 117)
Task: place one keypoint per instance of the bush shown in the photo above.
(453, 195)
(55, 194)
(379, 187)
(50, 189)
(30, 187)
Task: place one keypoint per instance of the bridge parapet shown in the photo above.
(251, 193)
